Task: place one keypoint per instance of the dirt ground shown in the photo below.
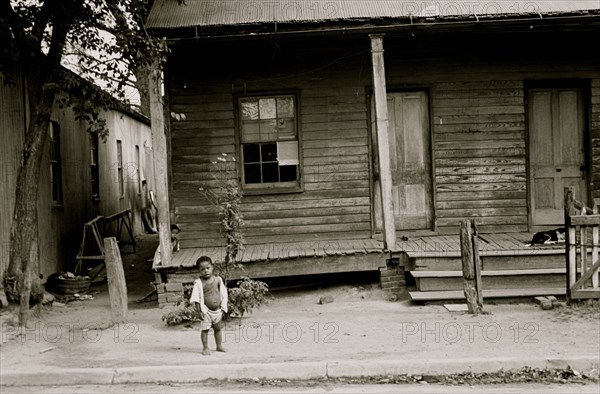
(360, 324)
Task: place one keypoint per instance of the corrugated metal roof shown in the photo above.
(170, 14)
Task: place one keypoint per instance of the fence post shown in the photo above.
(570, 247)
(470, 267)
(117, 287)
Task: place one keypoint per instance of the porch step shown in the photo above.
(490, 263)
(496, 293)
(449, 274)
(492, 280)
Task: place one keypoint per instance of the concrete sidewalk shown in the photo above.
(293, 337)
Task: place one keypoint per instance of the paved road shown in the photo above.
(308, 388)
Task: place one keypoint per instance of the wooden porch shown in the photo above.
(510, 267)
(292, 258)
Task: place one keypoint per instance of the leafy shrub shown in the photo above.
(249, 294)
(187, 316)
(226, 195)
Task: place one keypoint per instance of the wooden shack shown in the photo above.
(83, 176)
(490, 110)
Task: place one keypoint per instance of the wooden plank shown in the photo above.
(499, 293)
(474, 128)
(478, 110)
(585, 220)
(493, 282)
(381, 121)
(583, 266)
(481, 187)
(117, 287)
(480, 119)
(480, 170)
(453, 274)
(470, 262)
(585, 276)
(480, 153)
(595, 240)
(477, 135)
(469, 162)
(586, 294)
(480, 195)
(481, 212)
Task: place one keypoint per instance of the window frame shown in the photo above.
(55, 161)
(94, 165)
(120, 179)
(296, 186)
(138, 172)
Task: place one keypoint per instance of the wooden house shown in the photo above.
(487, 110)
(83, 177)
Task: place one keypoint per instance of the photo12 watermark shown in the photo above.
(289, 332)
(453, 332)
(71, 332)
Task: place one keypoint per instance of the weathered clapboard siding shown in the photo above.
(480, 153)
(12, 135)
(60, 226)
(333, 122)
(595, 135)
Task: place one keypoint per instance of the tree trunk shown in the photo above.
(24, 253)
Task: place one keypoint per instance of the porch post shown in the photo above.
(381, 120)
(159, 148)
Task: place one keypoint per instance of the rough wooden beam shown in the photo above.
(159, 148)
(381, 120)
(117, 287)
(470, 272)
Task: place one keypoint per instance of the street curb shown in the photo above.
(58, 376)
(353, 368)
(290, 370)
(198, 373)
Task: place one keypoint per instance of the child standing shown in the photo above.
(210, 296)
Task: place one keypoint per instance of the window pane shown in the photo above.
(249, 109)
(286, 129)
(270, 172)
(285, 107)
(268, 130)
(288, 173)
(267, 108)
(269, 152)
(252, 173)
(250, 132)
(251, 153)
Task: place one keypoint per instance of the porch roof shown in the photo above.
(171, 14)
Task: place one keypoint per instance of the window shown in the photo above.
(120, 168)
(269, 142)
(55, 163)
(137, 169)
(94, 171)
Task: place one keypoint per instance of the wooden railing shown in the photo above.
(583, 270)
(94, 232)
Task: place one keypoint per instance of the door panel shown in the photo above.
(556, 152)
(410, 160)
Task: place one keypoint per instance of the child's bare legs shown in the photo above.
(219, 338)
(204, 337)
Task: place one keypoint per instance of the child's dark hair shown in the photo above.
(175, 227)
(203, 259)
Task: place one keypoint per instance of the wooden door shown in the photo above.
(556, 152)
(410, 155)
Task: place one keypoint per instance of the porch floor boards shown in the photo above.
(501, 244)
(281, 251)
